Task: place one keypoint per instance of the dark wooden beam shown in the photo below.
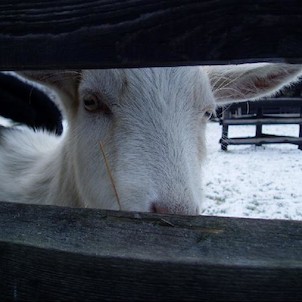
(265, 139)
(263, 121)
(62, 254)
(129, 33)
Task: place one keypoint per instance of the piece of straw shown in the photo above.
(110, 175)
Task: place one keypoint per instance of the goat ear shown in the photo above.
(250, 81)
(64, 82)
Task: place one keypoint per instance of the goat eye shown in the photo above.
(209, 114)
(93, 104)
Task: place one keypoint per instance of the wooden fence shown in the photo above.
(62, 254)
(271, 111)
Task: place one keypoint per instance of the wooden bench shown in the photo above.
(62, 254)
(271, 111)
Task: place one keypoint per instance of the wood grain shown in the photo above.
(102, 34)
(52, 253)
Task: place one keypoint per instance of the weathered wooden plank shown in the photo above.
(268, 103)
(263, 121)
(267, 139)
(57, 254)
(112, 33)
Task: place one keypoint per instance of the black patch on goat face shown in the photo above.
(26, 104)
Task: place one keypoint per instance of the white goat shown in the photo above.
(135, 137)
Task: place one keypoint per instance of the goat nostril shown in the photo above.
(155, 208)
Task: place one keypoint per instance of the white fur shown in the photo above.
(154, 140)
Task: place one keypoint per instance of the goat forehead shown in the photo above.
(144, 78)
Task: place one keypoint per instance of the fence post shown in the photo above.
(300, 130)
(259, 125)
(225, 129)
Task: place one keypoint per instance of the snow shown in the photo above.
(249, 181)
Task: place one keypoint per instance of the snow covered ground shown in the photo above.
(250, 181)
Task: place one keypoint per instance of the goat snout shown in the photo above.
(182, 209)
